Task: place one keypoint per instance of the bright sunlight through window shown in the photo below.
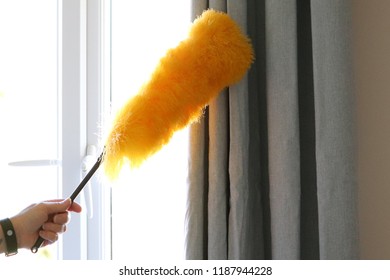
(28, 106)
(148, 204)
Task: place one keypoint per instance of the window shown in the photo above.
(148, 203)
(28, 107)
(63, 65)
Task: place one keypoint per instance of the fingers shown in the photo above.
(56, 225)
(75, 207)
(58, 206)
(54, 228)
(61, 218)
(51, 230)
(49, 236)
(55, 206)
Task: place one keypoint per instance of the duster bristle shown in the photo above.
(216, 54)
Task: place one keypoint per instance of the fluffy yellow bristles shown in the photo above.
(216, 54)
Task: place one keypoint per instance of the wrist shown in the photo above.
(18, 226)
(9, 239)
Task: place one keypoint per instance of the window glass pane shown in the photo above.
(148, 203)
(28, 105)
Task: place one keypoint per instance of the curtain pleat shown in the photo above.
(309, 239)
(283, 132)
(245, 217)
(335, 148)
(219, 193)
(196, 227)
(197, 212)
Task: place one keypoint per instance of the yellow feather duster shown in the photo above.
(216, 54)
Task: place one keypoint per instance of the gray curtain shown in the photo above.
(272, 168)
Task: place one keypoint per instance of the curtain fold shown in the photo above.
(272, 166)
(335, 151)
(283, 124)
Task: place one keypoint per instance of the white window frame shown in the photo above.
(98, 100)
(83, 96)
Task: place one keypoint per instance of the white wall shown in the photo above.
(371, 40)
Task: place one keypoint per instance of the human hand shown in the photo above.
(46, 219)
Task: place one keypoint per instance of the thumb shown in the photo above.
(58, 206)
